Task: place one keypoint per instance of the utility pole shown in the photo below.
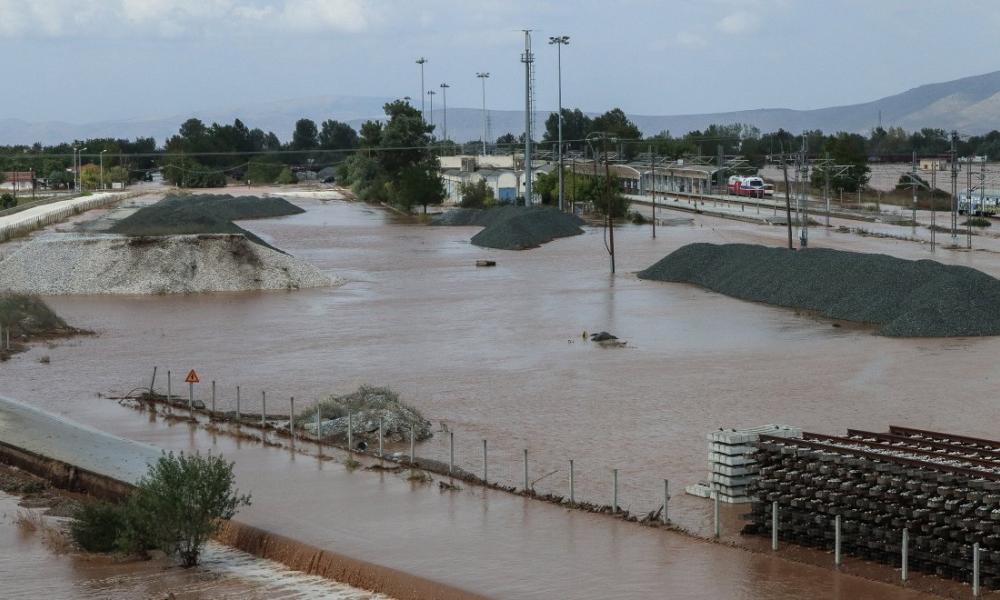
(934, 167)
(483, 77)
(968, 204)
(608, 204)
(560, 41)
(788, 199)
(528, 59)
(421, 61)
(803, 195)
(102, 168)
(954, 189)
(430, 93)
(444, 99)
(652, 184)
(826, 189)
(913, 169)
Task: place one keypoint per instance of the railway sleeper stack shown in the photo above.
(731, 465)
(944, 489)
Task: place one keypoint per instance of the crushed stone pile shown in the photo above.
(203, 213)
(365, 407)
(112, 264)
(514, 227)
(902, 298)
(28, 318)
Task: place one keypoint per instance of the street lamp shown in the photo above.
(559, 42)
(421, 61)
(431, 94)
(102, 167)
(483, 77)
(444, 99)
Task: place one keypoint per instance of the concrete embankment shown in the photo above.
(21, 222)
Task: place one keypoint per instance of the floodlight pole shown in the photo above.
(483, 77)
(421, 61)
(559, 42)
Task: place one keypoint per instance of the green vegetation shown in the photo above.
(476, 195)
(203, 213)
(97, 526)
(978, 222)
(7, 200)
(400, 169)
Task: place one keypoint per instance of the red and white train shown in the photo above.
(746, 186)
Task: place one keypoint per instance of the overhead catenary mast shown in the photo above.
(528, 59)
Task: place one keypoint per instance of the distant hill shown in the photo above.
(970, 105)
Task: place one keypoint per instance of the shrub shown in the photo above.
(97, 526)
(286, 177)
(475, 195)
(638, 218)
(7, 200)
(180, 503)
(978, 222)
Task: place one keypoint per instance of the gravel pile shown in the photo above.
(203, 213)
(903, 298)
(514, 227)
(27, 318)
(112, 264)
(365, 408)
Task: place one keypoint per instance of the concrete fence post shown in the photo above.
(152, 383)
(213, 397)
(319, 428)
(381, 438)
(572, 483)
(350, 432)
(413, 446)
(715, 514)
(904, 572)
(526, 470)
(975, 569)
(774, 525)
(485, 480)
(614, 493)
(263, 410)
(291, 418)
(836, 541)
(237, 405)
(666, 499)
(191, 400)
(168, 386)
(451, 452)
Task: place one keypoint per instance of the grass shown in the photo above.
(978, 222)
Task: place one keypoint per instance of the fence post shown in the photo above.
(413, 446)
(905, 571)
(319, 429)
(291, 418)
(350, 432)
(572, 483)
(975, 569)
(485, 480)
(263, 410)
(152, 383)
(168, 386)
(666, 499)
(614, 495)
(774, 525)
(715, 513)
(237, 405)
(526, 470)
(381, 438)
(836, 541)
(213, 397)
(451, 452)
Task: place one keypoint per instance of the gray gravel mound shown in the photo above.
(514, 227)
(365, 408)
(902, 298)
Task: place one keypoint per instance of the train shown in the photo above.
(752, 186)
(980, 204)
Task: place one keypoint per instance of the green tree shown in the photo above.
(845, 149)
(305, 136)
(546, 185)
(475, 194)
(616, 123)
(576, 126)
(181, 503)
(335, 135)
(421, 185)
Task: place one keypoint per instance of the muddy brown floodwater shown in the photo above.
(497, 353)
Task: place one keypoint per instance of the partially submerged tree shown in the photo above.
(475, 195)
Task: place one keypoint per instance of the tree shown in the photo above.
(576, 126)
(846, 149)
(305, 136)
(507, 140)
(617, 124)
(335, 135)
(419, 185)
(475, 195)
(90, 176)
(546, 185)
(181, 503)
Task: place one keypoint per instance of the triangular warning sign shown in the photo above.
(192, 377)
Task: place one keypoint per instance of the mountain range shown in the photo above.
(971, 105)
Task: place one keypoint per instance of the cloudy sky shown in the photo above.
(86, 60)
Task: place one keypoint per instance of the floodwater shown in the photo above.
(498, 354)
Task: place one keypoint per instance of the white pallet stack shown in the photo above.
(730, 467)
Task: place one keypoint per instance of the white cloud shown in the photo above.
(689, 39)
(312, 15)
(739, 22)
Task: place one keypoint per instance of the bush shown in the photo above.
(7, 200)
(264, 172)
(978, 222)
(181, 503)
(638, 218)
(97, 526)
(475, 195)
(286, 177)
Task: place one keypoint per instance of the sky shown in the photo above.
(90, 60)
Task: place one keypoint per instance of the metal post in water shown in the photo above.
(774, 525)
(485, 480)
(836, 541)
(614, 494)
(152, 382)
(168, 387)
(975, 569)
(191, 399)
(451, 452)
(666, 499)
(237, 405)
(525, 470)
(213, 397)
(381, 438)
(572, 483)
(413, 455)
(350, 432)
(319, 429)
(291, 418)
(715, 514)
(263, 410)
(905, 571)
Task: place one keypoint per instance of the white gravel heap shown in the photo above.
(113, 264)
